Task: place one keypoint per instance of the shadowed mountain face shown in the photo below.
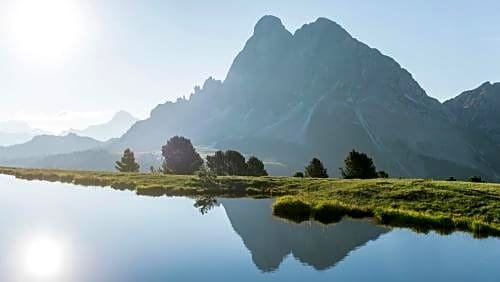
(318, 92)
(270, 240)
(478, 110)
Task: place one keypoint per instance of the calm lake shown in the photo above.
(62, 232)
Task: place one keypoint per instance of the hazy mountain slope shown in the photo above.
(45, 145)
(83, 160)
(116, 127)
(317, 92)
(478, 109)
(17, 132)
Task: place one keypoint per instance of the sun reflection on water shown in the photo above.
(43, 257)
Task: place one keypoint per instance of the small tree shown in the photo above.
(255, 167)
(127, 163)
(358, 165)
(316, 169)
(180, 156)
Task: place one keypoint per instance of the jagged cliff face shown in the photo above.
(317, 92)
(478, 109)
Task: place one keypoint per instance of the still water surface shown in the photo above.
(62, 232)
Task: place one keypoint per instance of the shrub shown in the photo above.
(476, 179)
(298, 174)
(451, 178)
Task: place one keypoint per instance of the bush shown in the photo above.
(299, 174)
(476, 179)
(451, 178)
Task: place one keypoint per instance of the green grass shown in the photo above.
(420, 204)
(160, 184)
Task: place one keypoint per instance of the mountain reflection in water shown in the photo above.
(270, 239)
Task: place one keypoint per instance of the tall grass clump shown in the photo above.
(292, 208)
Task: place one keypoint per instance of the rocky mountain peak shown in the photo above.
(268, 25)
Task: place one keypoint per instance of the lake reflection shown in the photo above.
(61, 232)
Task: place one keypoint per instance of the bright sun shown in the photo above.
(44, 31)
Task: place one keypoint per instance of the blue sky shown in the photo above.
(131, 55)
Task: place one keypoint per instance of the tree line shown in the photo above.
(180, 157)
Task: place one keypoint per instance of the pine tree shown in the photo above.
(358, 165)
(316, 169)
(127, 163)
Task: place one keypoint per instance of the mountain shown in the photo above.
(478, 110)
(319, 92)
(16, 132)
(46, 145)
(114, 128)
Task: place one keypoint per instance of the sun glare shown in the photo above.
(43, 258)
(44, 31)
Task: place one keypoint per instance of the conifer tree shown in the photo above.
(316, 169)
(127, 163)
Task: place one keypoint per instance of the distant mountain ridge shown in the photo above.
(46, 145)
(16, 132)
(115, 128)
(319, 92)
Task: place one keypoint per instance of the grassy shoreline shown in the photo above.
(422, 205)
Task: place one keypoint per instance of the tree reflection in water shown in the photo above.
(205, 204)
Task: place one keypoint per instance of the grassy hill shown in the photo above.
(421, 204)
